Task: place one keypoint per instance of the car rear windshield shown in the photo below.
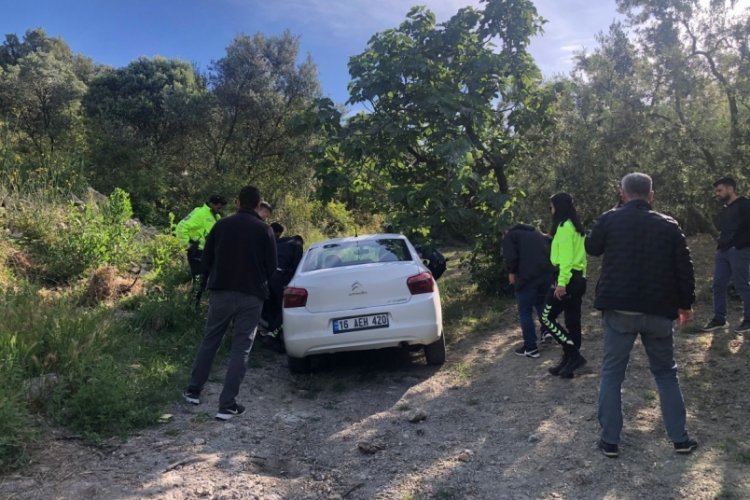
(354, 253)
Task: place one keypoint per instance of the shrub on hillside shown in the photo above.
(70, 239)
(15, 431)
(101, 400)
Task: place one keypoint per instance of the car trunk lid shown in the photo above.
(357, 287)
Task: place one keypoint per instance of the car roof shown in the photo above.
(361, 238)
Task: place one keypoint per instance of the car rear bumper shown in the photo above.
(415, 323)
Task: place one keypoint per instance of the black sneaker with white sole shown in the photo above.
(714, 324)
(191, 397)
(521, 351)
(686, 447)
(609, 450)
(744, 327)
(230, 412)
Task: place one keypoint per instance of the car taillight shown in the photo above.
(421, 283)
(295, 297)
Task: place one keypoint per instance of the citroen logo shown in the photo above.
(357, 289)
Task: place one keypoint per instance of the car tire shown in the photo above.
(299, 365)
(435, 352)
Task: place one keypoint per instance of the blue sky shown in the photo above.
(116, 32)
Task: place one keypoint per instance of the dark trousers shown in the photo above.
(272, 308)
(224, 307)
(531, 296)
(731, 265)
(569, 336)
(194, 256)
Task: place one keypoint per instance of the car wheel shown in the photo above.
(299, 365)
(435, 352)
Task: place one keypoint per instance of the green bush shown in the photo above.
(104, 400)
(15, 431)
(70, 239)
(485, 263)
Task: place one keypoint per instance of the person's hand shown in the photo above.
(684, 316)
(560, 292)
(511, 278)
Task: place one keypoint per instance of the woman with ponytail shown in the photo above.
(568, 255)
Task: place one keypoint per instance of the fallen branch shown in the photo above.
(180, 463)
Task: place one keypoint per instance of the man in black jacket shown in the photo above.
(239, 258)
(646, 282)
(526, 256)
(732, 254)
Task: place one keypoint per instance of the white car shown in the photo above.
(359, 293)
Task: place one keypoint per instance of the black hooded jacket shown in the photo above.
(526, 254)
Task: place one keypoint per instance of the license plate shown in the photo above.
(355, 323)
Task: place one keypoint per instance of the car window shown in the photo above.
(356, 252)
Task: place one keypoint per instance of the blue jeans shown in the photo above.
(620, 331)
(225, 306)
(731, 265)
(529, 297)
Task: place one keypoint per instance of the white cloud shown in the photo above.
(347, 19)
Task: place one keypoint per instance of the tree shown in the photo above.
(448, 109)
(40, 92)
(451, 109)
(143, 124)
(692, 43)
(259, 94)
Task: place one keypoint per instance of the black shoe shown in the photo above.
(191, 397)
(714, 324)
(576, 361)
(744, 326)
(686, 447)
(521, 351)
(609, 450)
(546, 337)
(230, 412)
(275, 344)
(555, 370)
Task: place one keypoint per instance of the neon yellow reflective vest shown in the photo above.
(195, 226)
(568, 253)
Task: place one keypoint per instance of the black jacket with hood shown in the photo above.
(526, 254)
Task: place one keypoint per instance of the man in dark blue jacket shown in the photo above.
(732, 261)
(526, 256)
(646, 282)
(239, 259)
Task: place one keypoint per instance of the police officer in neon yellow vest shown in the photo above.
(191, 232)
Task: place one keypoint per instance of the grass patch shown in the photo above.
(465, 309)
(743, 456)
(728, 494)
(403, 407)
(15, 432)
(102, 373)
(446, 494)
(462, 372)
